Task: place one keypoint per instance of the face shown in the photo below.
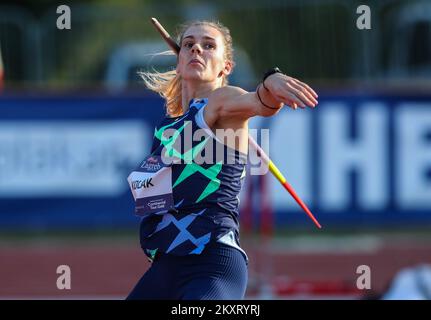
(202, 55)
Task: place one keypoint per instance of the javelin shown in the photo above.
(274, 170)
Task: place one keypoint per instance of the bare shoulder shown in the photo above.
(217, 101)
(230, 102)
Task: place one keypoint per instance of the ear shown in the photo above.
(228, 67)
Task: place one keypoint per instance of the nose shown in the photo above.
(196, 48)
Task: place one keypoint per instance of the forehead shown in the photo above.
(202, 31)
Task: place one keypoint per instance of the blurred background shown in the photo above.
(75, 119)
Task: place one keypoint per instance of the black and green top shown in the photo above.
(206, 178)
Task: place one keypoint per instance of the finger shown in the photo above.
(298, 101)
(304, 90)
(300, 95)
(308, 88)
(308, 100)
(292, 105)
(290, 98)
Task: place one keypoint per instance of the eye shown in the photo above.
(209, 46)
(188, 44)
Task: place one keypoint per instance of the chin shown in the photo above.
(193, 76)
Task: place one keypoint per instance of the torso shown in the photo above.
(205, 195)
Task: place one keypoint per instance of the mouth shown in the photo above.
(196, 61)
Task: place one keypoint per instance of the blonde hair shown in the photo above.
(168, 84)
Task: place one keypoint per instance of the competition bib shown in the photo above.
(151, 186)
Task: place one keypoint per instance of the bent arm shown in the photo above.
(236, 103)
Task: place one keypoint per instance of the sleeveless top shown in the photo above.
(205, 176)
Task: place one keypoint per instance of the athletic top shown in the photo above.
(201, 203)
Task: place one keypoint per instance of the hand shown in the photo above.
(291, 91)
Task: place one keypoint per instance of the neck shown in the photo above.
(191, 90)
